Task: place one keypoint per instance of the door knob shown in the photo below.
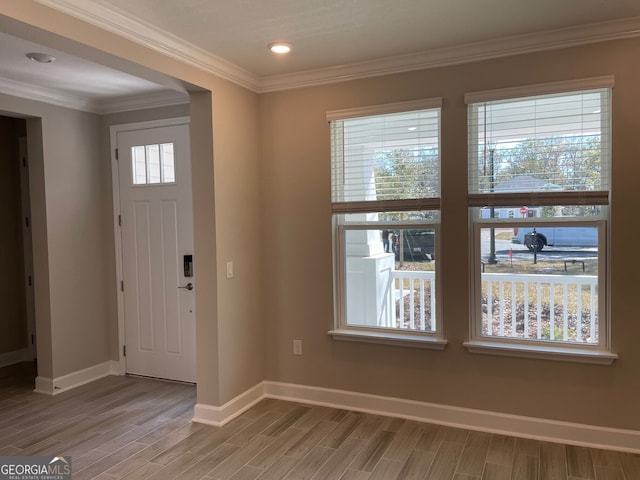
(188, 286)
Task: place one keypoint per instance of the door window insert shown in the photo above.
(153, 164)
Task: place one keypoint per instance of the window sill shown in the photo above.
(389, 339)
(597, 357)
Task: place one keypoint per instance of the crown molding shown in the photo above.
(142, 33)
(474, 52)
(141, 101)
(102, 106)
(45, 95)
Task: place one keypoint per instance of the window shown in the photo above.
(538, 196)
(385, 204)
(153, 164)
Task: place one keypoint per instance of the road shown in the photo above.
(521, 252)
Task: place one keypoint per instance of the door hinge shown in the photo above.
(24, 162)
(29, 280)
(124, 350)
(119, 220)
(117, 156)
(33, 339)
(26, 221)
(122, 285)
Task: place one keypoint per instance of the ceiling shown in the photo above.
(338, 32)
(332, 39)
(70, 80)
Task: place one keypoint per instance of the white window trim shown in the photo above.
(593, 354)
(512, 349)
(568, 86)
(342, 332)
(357, 333)
(599, 353)
(600, 197)
(389, 338)
(398, 107)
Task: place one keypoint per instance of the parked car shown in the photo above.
(417, 245)
(540, 237)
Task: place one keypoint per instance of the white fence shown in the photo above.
(415, 300)
(545, 307)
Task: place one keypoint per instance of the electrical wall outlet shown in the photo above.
(297, 347)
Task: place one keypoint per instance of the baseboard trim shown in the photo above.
(17, 356)
(480, 420)
(218, 416)
(54, 386)
(44, 385)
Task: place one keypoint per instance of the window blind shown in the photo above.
(388, 161)
(540, 146)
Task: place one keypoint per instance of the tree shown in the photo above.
(567, 162)
(407, 174)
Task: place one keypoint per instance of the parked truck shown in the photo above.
(539, 237)
(415, 245)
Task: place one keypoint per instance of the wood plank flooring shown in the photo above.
(133, 428)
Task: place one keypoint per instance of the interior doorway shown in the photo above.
(17, 311)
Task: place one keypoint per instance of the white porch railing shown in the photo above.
(528, 306)
(543, 307)
(414, 306)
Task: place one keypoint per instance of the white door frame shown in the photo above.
(115, 183)
(27, 243)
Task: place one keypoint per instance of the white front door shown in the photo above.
(154, 169)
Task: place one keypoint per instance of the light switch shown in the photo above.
(229, 269)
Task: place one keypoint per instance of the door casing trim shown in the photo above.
(114, 130)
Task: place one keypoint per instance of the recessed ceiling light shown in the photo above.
(41, 57)
(280, 47)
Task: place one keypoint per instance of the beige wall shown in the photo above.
(296, 236)
(241, 318)
(226, 189)
(226, 193)
(230, 342)
(13, 313)
(75, 276)
(68, 180)
(75, 185)
(265, 206)
(205, 247)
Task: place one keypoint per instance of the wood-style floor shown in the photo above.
(133, 428)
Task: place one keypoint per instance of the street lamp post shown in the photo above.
(492, 232)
